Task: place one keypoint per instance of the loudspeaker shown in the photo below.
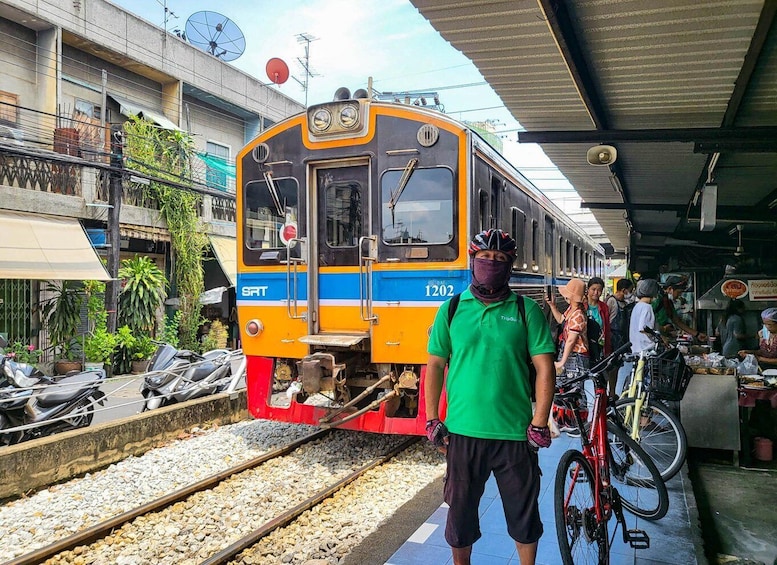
(709, 206)
(342, 93)
(601, 155)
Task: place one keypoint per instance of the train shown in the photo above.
(353, 222)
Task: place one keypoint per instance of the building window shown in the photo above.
(9, 113)
(216, 176)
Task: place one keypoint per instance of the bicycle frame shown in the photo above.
(637, 392)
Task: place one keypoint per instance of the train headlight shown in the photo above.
(349, 116)
(322, 120)
(254, 327)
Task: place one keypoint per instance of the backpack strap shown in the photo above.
(452, 305)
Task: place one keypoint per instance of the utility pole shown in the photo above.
(114, 235)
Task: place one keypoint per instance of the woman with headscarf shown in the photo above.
(766, 354)
(573, 350)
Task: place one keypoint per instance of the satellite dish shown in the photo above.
(216, 34)
(277, 70)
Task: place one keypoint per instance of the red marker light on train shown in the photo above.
(254, 328)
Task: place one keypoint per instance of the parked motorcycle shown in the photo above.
(43, 405)
(177, 375)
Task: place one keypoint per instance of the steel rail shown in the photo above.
(289, 516)
(100, 530)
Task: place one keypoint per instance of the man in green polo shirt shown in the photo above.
(489, 425)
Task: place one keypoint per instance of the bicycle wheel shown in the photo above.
(581, 539)
(633, 473)
(661, 435)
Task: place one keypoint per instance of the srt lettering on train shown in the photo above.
(255, 290)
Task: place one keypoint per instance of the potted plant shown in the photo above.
(61, 314)
(98, 348)
(141, 354)
(142, 294)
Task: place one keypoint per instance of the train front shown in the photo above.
(351, 234)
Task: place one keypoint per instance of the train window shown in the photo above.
(518, 231)
(268, 208)
(343, 214)
(485, 216)
(575, 261)
(422, 210)
(496, 209)
(568, 262)
(561, 251)
(535, 244)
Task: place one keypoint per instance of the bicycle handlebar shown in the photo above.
(603, 365)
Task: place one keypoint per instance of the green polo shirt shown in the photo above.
(487, 386)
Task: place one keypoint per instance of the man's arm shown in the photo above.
(544, 388)
(435, 371)
(678, 323)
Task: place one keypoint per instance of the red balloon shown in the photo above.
(277, 70)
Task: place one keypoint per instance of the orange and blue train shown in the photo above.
(354, 219)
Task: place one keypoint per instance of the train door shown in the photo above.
(340, 221)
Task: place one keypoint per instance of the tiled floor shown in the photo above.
(673, 539)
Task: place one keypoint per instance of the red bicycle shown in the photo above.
(586, 496)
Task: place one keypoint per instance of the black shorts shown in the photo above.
(517, 472)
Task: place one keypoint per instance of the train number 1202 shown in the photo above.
(439, 290)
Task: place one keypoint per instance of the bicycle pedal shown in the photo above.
(638, 539)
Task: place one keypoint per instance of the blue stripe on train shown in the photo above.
(431, 285)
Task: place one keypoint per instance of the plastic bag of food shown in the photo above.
(749, 366)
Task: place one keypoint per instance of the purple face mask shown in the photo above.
(491, 275)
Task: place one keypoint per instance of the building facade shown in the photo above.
(72, 70)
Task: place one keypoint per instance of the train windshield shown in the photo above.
(423, 213)
(270, 212)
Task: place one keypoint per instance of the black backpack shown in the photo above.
(454, 304)
(593, 333)
(620, 324)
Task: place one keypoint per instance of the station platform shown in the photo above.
(674, 539)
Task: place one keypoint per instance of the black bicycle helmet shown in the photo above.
(495, 240)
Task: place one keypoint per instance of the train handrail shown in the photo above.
(292, 290)
(365, 277)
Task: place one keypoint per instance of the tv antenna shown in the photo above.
(307, 39)
(216, 34)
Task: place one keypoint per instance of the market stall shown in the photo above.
(724, 392)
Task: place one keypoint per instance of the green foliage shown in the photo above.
(167, 154)
(144, 290)
(99, 346)
(61, 314)
(22, 353)
(171, 329)
(130, 348)
(94, 291)
(216, 337)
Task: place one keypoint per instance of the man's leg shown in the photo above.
(461, 555)
(527, 552)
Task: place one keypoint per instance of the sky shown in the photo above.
(388, 40)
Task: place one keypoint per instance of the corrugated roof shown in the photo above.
(631, 65)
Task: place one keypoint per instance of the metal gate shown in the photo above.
(16, 305)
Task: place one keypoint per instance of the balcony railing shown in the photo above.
(39, 173)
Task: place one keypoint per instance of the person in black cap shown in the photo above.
(667, 319)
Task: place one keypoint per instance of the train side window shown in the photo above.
(575, 261)
(485, 215)
(518, 231)
(496, 197)
(423, 210)
(267, 210)
(535, 244)
(561, 250)
(568, 262)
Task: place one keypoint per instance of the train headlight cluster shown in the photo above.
(337, 119)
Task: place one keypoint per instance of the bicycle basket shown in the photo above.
(668, 375)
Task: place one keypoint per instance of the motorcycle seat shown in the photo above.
(70, 387)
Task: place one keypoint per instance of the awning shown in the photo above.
(225, 249)
(41, 247)
(129, 108)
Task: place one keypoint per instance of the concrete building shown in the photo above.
(70, 69)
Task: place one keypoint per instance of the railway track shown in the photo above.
(61, 550)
